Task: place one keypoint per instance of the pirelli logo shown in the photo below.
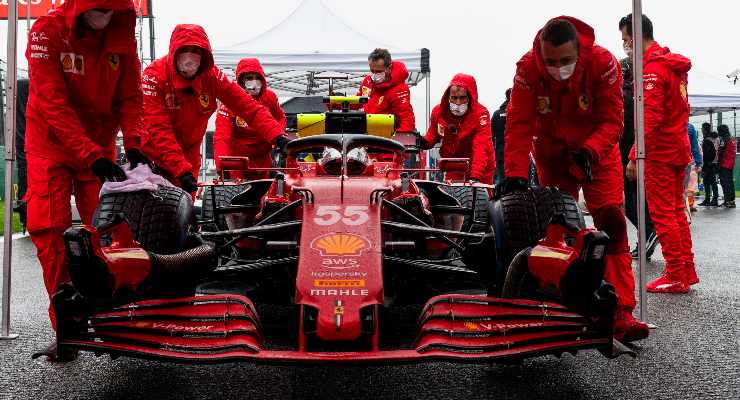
(343, 283)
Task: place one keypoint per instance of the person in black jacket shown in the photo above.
(498, 124)
(20, 149)
(625, 144)
(709, 149)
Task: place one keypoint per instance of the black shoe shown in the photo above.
(648, 254)
(729, 204)
(54, 355)
(703, 204)
(714, 203)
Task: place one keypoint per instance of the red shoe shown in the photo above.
(666, 284)
(691, 277)
(627, 328)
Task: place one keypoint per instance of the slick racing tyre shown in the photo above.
(223, 194)
(159, 220)
(551, 201)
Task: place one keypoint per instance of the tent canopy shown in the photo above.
(709, 94)
(311, 45)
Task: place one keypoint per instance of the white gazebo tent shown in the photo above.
(709, 94)
(312, 44)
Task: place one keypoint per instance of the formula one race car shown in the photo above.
(344, 254)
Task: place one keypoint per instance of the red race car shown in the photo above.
(341, 255)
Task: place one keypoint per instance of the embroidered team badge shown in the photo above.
(380, 100)
(67, 63)
(204, 100)
(684, 92)
(240, 122)
(583, 102)
(440, 130)
(114, 61)
(543, 104)
(365, 91)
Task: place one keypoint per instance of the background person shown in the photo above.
(461, 123)
(181, 91)
(498, 126)
(387, 91)
(233, 136)
(727, 155)
(710, 166)
(693, 168)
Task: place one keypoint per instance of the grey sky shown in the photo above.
(482, 38)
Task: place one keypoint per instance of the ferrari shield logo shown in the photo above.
(583, 102)
(240, 122)
(204, 100)
(543, 104)
(114, 61)
(440, 130)
(684, 92)
(67, 63)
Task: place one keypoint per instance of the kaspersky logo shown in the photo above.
(340, 244)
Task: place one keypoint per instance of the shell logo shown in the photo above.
(340, 244)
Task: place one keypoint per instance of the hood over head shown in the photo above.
(120, 32)
(586, 38)
(677, 63)
(191, 35)
(247, 65)
(466, 81)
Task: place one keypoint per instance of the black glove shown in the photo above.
(135, 157)
(280, 143)
(188, 182)
(582, 158)
(511, 185)
(424, 145)
(106, 169)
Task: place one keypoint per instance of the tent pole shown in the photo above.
(427, 114)
(639, 120)
(10, 91)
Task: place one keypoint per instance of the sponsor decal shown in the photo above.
(484, 120)
(440, 130)
(649, 86)
(340, 263)
(543, 104)
(380, 100)
(342, 283)
(365, 91)
(482, 326)
(351, 215)
(38, 37)
(205, 101)
(583, 102)
(521, 82)
(339, 292)
(340, 244)
(114, 60)
(41, 56)
(36, 47)
(240, 122)
(538, 252)
(338, 274)
(684, 92)
(181, 328)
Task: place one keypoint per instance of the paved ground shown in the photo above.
(694, 353)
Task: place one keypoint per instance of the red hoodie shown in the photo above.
(83, 88)
(391, 97)
(665, 77)
(233, 136)
(586, 111)
(468, 136)
(176, 110)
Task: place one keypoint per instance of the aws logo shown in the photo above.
(340, 244)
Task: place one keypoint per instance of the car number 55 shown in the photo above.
(350, 215)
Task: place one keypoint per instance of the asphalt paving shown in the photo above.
(693, 354)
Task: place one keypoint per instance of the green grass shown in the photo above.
(17, 227)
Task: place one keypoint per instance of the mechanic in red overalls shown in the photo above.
(233, 136)
(85, 86)
(462, 124)
(667, 153)
(387, 90)
(180, 93)
(567, 97)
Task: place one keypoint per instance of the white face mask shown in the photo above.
(97, 20)
(627, 49)
(458, 110)
(253, 86)
(378, 77)
(188, 64)
(563, 73)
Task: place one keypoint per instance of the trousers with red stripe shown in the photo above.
(50, 188)
(664, 187)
